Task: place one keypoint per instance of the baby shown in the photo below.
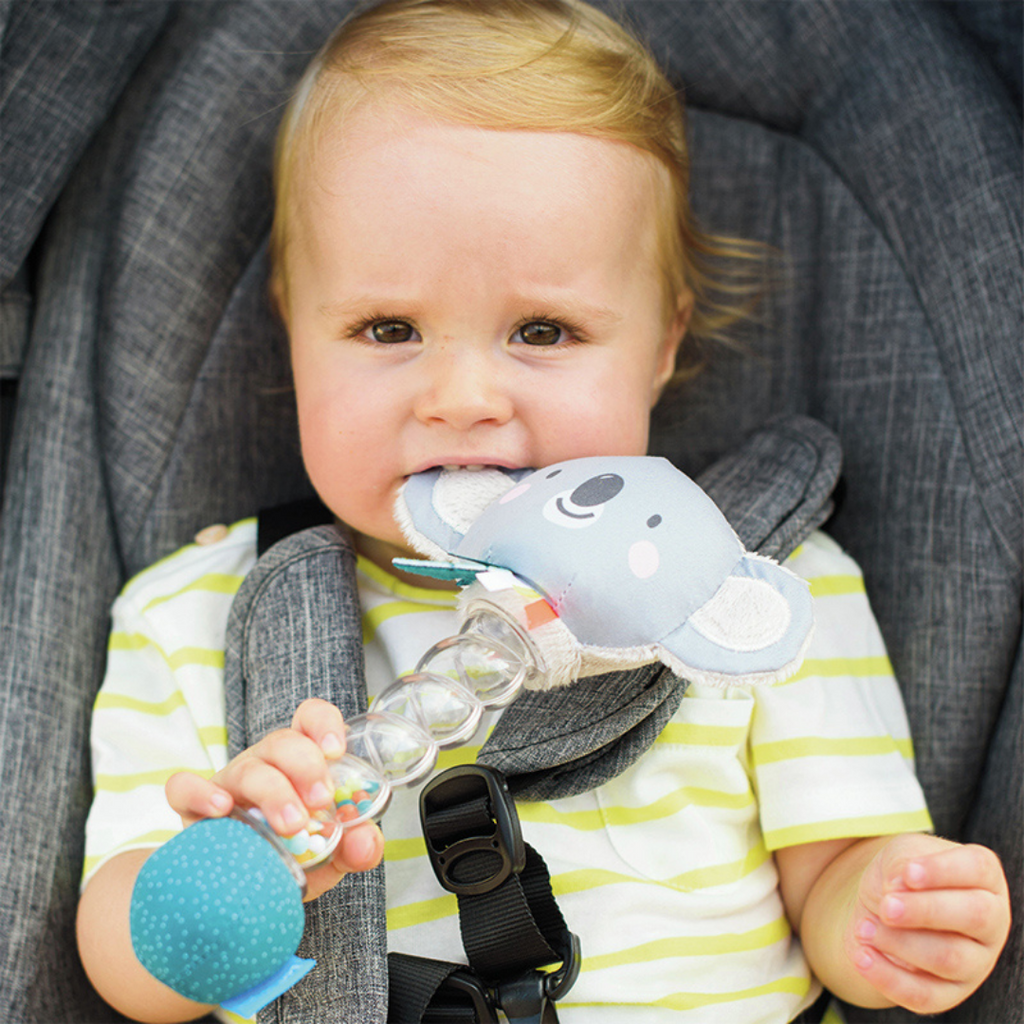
(484, 255)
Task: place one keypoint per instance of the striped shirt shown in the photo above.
(665, 872)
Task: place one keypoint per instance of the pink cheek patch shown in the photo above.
(643, 559)
(514, 493)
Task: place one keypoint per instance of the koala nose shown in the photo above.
(597, 490)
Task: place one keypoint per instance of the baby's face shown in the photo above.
(458, 296)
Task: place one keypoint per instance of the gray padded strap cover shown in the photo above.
(295, 631)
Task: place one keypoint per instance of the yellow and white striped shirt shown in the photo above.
(665, 872)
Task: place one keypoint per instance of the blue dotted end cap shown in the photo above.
(215, 911)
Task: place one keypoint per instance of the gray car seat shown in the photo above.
(873, 143)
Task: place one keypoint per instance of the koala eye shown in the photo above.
(584, 505)
(597, 490)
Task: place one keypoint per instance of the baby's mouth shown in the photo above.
(449, 468)
(477, 467)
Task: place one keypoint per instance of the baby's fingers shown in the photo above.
(360, 849)
(916, 990)
(321, 722)
(943, 955)
(958, 867)
(975, 913)
(282, 787)
(194, 797)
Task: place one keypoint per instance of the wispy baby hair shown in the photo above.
(527, 65)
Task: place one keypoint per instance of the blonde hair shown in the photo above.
(528, 65)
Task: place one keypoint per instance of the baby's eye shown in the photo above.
(540, 332)
(392, 332)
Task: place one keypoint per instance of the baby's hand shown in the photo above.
(285, 775)
(930, 921)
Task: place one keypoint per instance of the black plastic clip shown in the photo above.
(475, 845)
(526, 998)
(467, 984)
(523, 1000)
(499, 835)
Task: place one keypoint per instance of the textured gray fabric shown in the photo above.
(295, 631)
(997, 30)
(78, 58)
(67, 526)
(777, 485)
(866, 139)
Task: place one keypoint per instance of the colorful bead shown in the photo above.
(298, 843)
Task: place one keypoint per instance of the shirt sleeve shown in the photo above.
(160, 708)
(831, 754)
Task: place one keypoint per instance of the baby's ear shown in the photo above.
(754, 629)
(278, 295)
(671, 342)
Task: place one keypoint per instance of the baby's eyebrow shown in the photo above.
(570, 308)
(540, 306)
(601, 314)
(342, 310)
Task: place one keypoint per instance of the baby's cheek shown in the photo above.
(612, 428)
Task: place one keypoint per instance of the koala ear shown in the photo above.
(435, 509)
(421, 524)
(754, 628)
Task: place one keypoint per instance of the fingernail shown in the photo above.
(331, 745)
(319, 795)
(914, 873)
(220, 802)
(362, 846)
(892, 908)
(864, 960)
(866, 930)
(292, 816)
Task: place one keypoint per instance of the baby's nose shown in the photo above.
(463, 390)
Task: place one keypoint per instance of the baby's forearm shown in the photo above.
(824, 919)
(105, 946)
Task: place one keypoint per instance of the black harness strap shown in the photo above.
(425, 991)
(283, 520)
(511, 925)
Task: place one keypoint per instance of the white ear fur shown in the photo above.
(460, 496)
(419, 542)
(743, 615)
(446, 508)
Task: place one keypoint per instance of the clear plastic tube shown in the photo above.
(439, 705)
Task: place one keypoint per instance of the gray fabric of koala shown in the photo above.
(774, 489)
(295, 632)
